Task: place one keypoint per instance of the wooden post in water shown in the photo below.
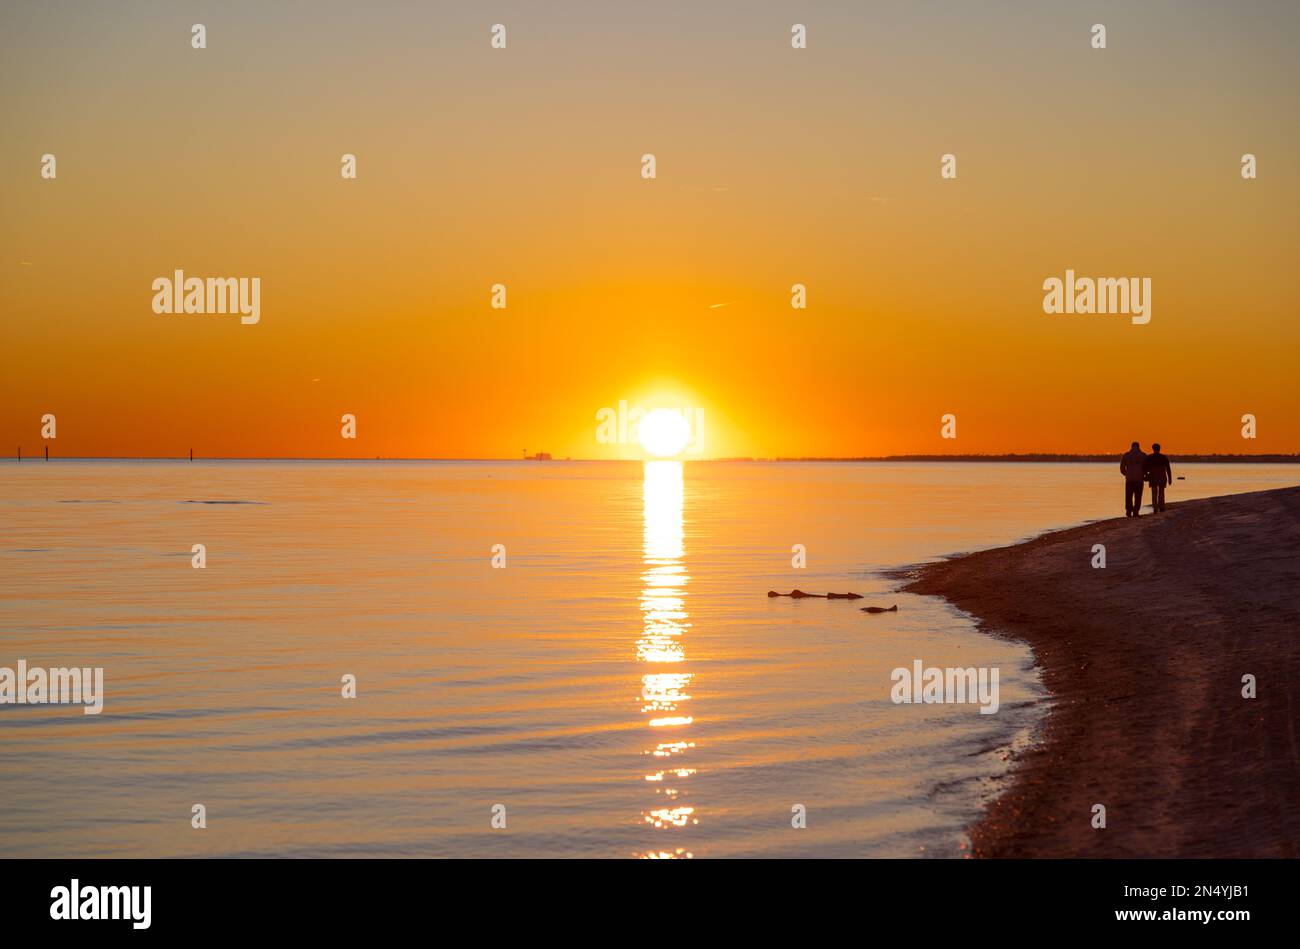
(47, 452)
(191, 454)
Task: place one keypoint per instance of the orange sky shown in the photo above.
(522, 166)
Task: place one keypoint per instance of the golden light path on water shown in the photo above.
(665, 684)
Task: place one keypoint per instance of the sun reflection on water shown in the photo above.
(664, 623)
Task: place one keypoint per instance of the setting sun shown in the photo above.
(664, 433)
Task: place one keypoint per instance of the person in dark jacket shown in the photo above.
(1159, 474)
(1133, 467)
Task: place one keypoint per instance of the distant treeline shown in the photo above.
(1047, 458)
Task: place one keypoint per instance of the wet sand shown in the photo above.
(1144, 660)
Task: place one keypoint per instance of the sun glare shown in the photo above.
(664, 432)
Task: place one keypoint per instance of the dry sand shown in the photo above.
(1145, 660)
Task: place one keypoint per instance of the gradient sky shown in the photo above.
(522, 166)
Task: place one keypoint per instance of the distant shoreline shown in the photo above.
(1144, 661)
(1107, 458)
(1111, 458)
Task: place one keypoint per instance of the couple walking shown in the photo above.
(1152, 469)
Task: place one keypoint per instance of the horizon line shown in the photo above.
(1021, 457)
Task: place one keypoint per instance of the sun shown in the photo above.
(664, 432)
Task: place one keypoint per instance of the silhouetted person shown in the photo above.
(1159, 474)
(1134, 468)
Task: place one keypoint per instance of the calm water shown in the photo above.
(623, 686)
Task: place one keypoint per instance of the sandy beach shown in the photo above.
(1144, 660)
